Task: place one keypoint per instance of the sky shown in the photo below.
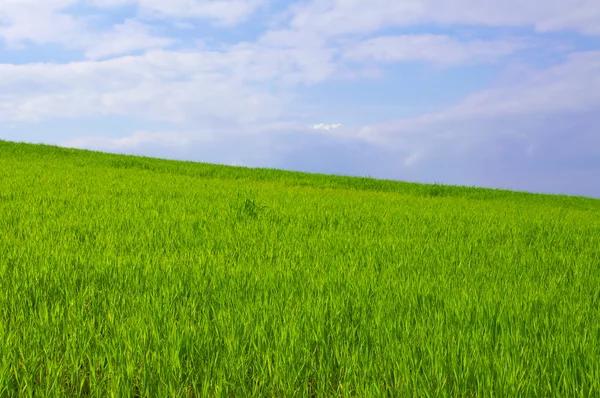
(500, 94)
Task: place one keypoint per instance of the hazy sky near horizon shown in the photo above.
(502, 94)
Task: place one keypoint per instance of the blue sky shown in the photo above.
(469, 92)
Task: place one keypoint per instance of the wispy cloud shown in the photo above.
(48, 22)
(323, 126)
(222, 12)
(157, 86)
(333, 18)
(440, 49)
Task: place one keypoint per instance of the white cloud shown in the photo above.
(338, 17)
(46, 22)
(38, 21)
(167, 86)
(122, 39)
(243, 83)
(413, 158)
(140, 139)
(223, 12)
(518, 112)
(284, 66)
(323, 126)
(433, 48)
(181, 139)
(571, 86)
(544, 15)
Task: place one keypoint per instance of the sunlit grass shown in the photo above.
(124, 276)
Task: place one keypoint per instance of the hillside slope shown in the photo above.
(145, 277)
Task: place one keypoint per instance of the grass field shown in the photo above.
(135, 277)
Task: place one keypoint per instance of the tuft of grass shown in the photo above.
(248, 207)
(130, 276)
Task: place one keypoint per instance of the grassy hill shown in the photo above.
(129, 276)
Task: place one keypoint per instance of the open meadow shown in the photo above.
(125, 276)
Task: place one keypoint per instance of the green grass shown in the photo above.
(125, 276)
